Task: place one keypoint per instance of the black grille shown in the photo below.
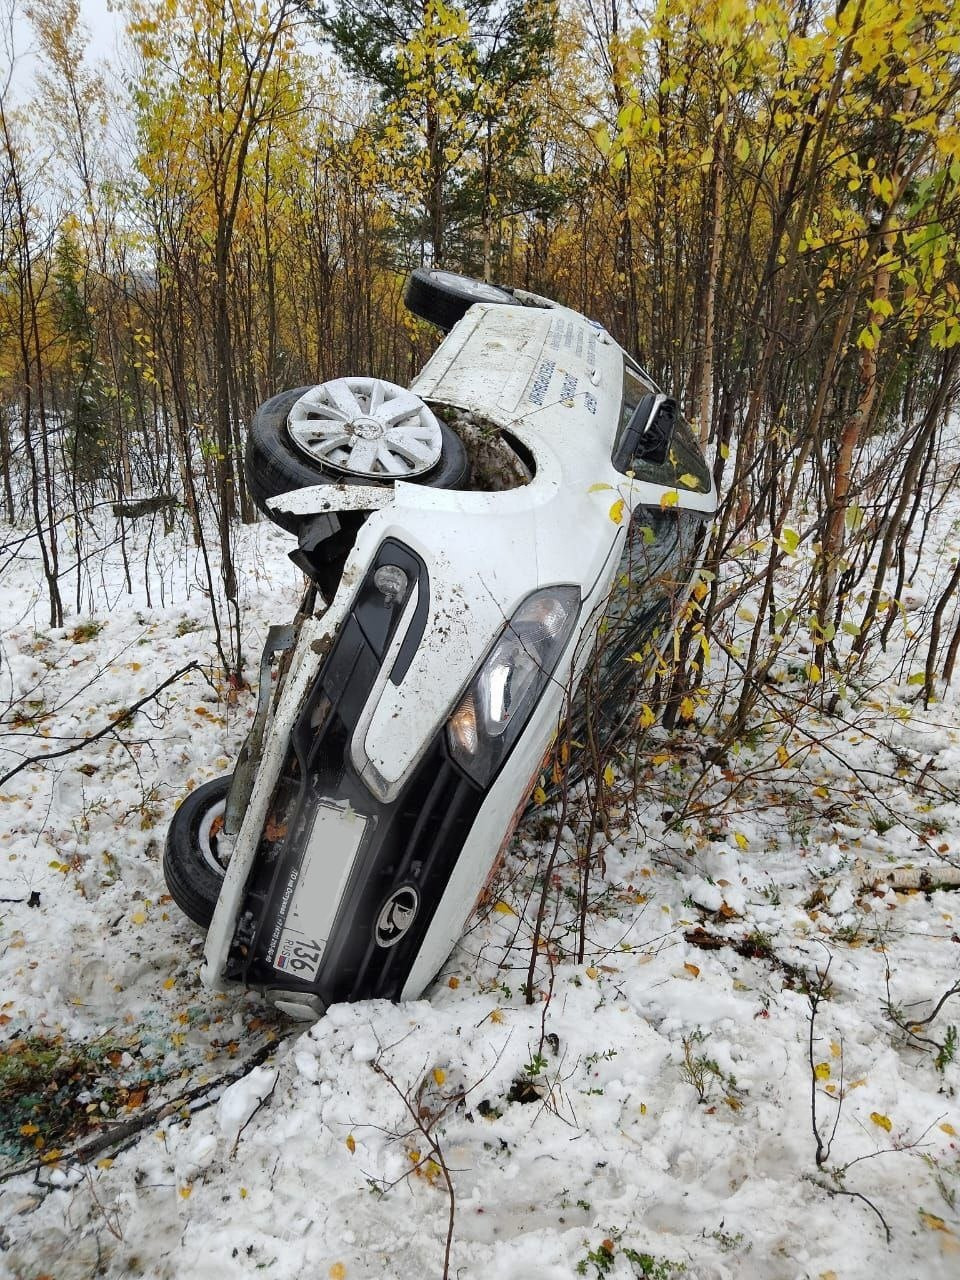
(414, 841)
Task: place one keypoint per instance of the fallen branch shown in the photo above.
(911, 1027)
(127, 713)
(854, 1195)
(926, 878)
(261, 1102)
(120, 1136)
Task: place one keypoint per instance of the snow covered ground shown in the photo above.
(749, 980)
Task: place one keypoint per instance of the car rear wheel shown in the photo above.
(195, 857)
(444, 297)
(348, 431)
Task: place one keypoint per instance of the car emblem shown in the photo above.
(396, 916)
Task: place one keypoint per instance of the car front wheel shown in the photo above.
(348, 431)
(196, 854)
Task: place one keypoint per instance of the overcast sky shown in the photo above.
(103, 26)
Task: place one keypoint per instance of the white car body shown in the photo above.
(554, 381)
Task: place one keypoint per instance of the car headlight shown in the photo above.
(492, 713)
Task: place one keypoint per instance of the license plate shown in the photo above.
(315, 890)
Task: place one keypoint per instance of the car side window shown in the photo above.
(654, 569)
(651, 579)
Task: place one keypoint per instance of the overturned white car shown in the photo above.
(463, 539)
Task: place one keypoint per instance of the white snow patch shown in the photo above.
(242, 1099)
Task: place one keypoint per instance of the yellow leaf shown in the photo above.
(661, 758)
(351, 1143)
(670, 499)
(592, 972)
(497, 1015)
(243, 1193)
(643, 1108)
(539, 795)
(169, 984)
(689, 481)
(596, 488)
(687, 708)
(881, 1120)
(741, 840)
(646, 717)
(28, 1130)
(504, 908)
(186, 1192)
(105, 1163)
(822, 1070)
(453, 982)
(138, 917)
(439, 1075)
(693, 969)
(608, 775)
(814, 674)
(949, 1130)
(933, 1222)
(338, 1271)
(616, 511)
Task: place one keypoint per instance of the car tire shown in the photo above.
(273, 464)
(443, 297)
(190, 866)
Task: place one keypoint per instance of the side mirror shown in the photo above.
(648, 434)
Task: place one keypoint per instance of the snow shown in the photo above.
(241, 1100)
(667, 1078)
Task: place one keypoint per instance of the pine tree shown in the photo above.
(455, 84)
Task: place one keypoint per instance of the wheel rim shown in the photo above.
(208, 841)
(466, 284)
(366, 427)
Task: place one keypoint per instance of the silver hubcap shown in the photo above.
(212, 850)
(366, 427)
